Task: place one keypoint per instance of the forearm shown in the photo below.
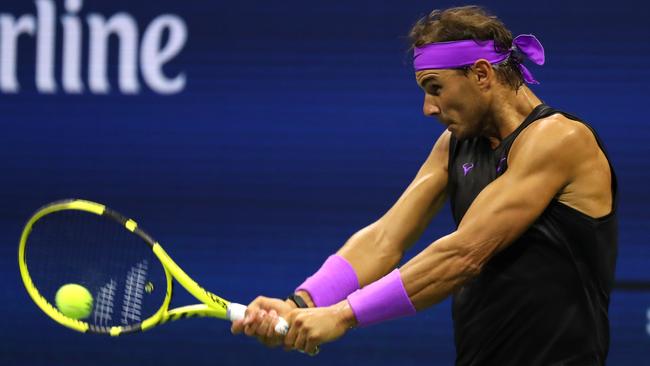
(374, 251)
(362, 260)
(425, 280)
(377, 249)
(438, 271)
(371, 254)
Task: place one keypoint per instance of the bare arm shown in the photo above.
(548, 157)
(378, 248)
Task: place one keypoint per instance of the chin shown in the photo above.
(460, 134)
(459, 137)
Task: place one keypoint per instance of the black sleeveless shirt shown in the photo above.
(544, 299)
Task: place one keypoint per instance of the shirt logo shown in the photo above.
(467, 167)
(501, 165)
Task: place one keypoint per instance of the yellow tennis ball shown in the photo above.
(74, 301)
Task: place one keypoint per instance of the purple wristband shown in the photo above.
(334, 281)
(381, 300)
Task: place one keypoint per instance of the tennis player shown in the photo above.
(531, 263)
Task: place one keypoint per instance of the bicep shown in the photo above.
(502, 212)
(539, 168)
(405, 221)
(499, 214)
(379, 247)
(508, 206)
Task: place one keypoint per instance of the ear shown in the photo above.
(483, 73)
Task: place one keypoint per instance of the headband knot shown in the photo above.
(530, 47)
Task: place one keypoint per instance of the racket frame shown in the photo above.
(212, 305)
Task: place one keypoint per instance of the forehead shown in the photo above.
(424, 76)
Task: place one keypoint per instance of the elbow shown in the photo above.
(372, 243)
(467, 261)
(471, 266)
(473, 254)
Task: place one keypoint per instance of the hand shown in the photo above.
(308, 328)
(261, 317)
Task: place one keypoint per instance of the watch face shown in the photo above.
(298, 300)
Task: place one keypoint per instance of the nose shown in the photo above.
(430, 107)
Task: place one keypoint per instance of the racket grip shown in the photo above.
(238, 312)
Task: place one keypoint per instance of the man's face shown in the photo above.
(454, 99)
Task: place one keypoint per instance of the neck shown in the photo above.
(508, 111)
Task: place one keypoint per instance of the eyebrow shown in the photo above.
(427, 80)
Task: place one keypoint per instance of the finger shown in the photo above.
(254, 307)
(273, 320)
(262, 328)
(270, 342)
(254, 322)
(294, 328)
(311, 347)
(299, 343)
(263, 303)
(237, 327)
(251, 313)
(271, 338)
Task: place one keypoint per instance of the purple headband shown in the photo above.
(448, 55)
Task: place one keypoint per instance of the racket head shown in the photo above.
(78, 241)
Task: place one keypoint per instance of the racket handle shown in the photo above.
(238, 312)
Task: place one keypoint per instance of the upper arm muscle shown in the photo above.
(544, 159)
(422, 199)
(377, 248)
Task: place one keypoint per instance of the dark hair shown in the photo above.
(469, 22)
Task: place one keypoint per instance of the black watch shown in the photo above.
(298, 301)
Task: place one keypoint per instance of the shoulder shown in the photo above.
(555, 137)
(557, 130)
(556, 148)
(443, 142)
(439, 156)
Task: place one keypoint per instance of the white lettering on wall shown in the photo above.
(71, 73)
(146, 56)
(125, 28)
(44, 51)
(153, 57)
(10, 30)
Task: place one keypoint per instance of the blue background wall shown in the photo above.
(299, 124)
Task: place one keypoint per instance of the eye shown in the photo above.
(433, 89)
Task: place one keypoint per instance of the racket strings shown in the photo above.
(126, 280)
(134, 293)
(104, 303)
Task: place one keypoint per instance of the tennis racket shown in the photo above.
(127, 272)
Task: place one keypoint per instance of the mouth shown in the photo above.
(444, 122)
